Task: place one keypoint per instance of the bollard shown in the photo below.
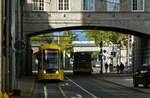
(16, 92)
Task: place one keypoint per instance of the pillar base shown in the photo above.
(16, 92)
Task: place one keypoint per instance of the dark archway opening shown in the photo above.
(120, 30)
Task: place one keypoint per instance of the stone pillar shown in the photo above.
(141, 51)
(28, 58)
(146, 49)
(13, 34)
(137, 59)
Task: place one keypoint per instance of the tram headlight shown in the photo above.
(44, 71)
(57, 72)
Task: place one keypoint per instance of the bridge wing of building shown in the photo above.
(124, 19)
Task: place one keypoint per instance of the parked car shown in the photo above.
(142, 76)
(96, 63)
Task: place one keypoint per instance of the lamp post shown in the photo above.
(101, 57)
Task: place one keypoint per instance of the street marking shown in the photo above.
(45, 92)
(77, 96)
(82, 88)
(62, 92)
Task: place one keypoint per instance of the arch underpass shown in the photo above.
(138, 53)
(125, 21)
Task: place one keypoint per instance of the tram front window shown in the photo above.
(50, 60)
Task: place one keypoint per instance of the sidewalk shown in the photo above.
(26, 85)
(124, 80)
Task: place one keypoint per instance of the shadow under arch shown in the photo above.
(121, 30)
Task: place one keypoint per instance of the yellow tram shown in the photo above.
(50, 62)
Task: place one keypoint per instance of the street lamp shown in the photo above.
(101, 56)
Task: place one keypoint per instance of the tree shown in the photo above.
(66, 40)
(98, 36)
(106, 37)
(46, 38)
(119, 38)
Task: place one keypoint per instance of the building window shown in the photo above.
(138, 5)
(113, 5)
(89, 5)
(63, 4)
(38, 5)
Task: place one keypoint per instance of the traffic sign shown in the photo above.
(19, 45)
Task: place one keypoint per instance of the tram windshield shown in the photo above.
(50, 59)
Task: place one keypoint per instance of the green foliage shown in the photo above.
(119, 38)
(106, 37)
(66, 40)
(47, 38)
(98, 36)
(95, 55)
(36, 38)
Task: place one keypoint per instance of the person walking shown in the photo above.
(118, 68)
(121, 67)
(106, 67)
(111, 67)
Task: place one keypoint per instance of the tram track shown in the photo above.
(80, 87)
(47, 89)
(62, 89)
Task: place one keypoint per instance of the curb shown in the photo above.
(109, 81)
(32, 88)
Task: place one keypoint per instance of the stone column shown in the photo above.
(28, 65)
(137, 53)
(146, 49)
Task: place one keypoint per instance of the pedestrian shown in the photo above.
(106, 67)
(118, 68)
(126, 67)
(121, 67)
(111, 67)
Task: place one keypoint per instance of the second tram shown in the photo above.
(82, 62)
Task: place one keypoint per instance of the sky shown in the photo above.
(81, 36)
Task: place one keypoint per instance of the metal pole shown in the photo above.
(1, 31)
(8, 45)
(128, 53)
(101, 56)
